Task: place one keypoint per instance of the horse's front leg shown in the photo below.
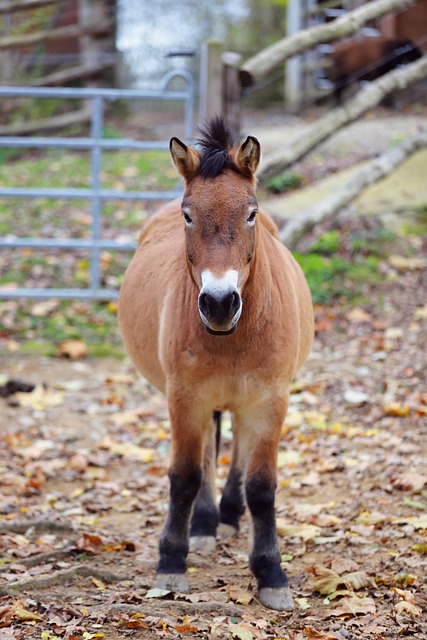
(259, 436)
(185, 475)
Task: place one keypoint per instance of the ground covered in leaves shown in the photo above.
(83, 485)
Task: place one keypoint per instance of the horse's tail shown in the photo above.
(217, 422)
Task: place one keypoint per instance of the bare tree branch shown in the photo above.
(323, 128)
(268, 59)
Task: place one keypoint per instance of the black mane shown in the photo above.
(215, 140)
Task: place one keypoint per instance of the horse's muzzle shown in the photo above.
(220, 311)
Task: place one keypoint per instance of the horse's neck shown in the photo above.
(258, 292)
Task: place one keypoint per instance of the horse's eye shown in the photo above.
(187, 218)
(252, 217)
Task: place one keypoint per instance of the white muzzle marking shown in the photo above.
(218, 287)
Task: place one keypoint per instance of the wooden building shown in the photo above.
(51, 42)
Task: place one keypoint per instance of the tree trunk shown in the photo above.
(323, 128)
(369, 174)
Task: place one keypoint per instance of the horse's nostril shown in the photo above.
(235, 303)
(204, 304)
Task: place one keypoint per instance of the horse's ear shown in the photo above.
(248, 156)
(186, 159)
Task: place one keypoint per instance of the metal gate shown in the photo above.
(95, 194)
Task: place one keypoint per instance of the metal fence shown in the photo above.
(95, 194)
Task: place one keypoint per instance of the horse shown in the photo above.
(367, 60)
(216, 313)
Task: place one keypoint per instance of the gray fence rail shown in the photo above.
(95, 194)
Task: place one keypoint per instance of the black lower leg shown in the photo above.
(205, 516)
(265, 556)
(174, 539)
(232, 505)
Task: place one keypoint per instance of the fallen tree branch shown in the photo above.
(268, 59)
(367, 98)
(372, 172)
(72, 31)
(40, 558)
(47, 124)
(22, 5)
(61, 577)
(149, 608)
(21, 526)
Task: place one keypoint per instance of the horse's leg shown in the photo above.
(232, 505)
(259, 436)
(185, 475)
(205, 515)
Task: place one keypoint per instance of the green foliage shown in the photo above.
(339, 265)
(285, 182)
(327, 244)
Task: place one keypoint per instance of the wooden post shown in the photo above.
(91, 12)
(232, 93)
(211, 80)
(293, 65)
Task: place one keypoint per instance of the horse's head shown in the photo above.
(219, 208)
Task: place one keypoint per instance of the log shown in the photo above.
(372, 172)
(73, 31)
(47, 124)
(367, 98)
(65, 75)
(23, 5)
(264, 62)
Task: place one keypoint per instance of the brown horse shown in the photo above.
(216, 313)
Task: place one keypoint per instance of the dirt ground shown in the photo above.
(84, 493)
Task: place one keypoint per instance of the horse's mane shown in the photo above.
(215, 141)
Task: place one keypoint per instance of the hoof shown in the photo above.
(278, 598)
(202, 544)
(172, 582)
(226, 530)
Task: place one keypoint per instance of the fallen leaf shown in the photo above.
(39, 398)
(407, 608)
(240, 596)
(352, 606)
(157, 593)
(241, 631)
(357, 314)
(313, 634)
(406, 604)
(21, 613)
(326, 581)
(419, 522)
(44, 307)
(304, 531)
(401, 263)
(397, 409)
(128, 450)
(409, 481)
(72, 349)
(355, 396)
(186, 627)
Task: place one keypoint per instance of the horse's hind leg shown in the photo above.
(205, 515)
(232, 505)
